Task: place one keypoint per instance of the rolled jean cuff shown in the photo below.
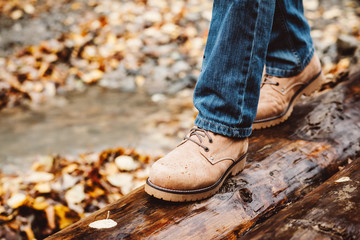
(222, 129)
(285, 73)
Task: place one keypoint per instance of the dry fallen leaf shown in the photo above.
(43, 187)
(343, 179)
(68, 181)
(96, 192)
(36, 177)
(122, 180)
(65, 215)
(75, 194)
(17, 14)
(50, 216)
(92, 76)
(126, 163)
(29, 233)
(104, 223)
(39, 203)
(17, 200)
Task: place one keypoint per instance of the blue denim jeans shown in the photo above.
(244, 36)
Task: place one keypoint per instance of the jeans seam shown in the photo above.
(284, 26)
(251, 58)
(219, 125)
(242, 130)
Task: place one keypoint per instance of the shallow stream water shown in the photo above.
(81, 122)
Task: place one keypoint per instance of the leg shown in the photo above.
(292, 68)
(226, 96)
(227, 91)
(291, 47)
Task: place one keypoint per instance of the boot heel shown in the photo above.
(314, 86)
(239, 167)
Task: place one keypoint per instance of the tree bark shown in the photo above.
(284, 163)
(331, 211)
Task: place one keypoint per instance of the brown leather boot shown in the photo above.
(197, 167)
(279, 95)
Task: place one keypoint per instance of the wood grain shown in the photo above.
(331, 211)
(284, 164)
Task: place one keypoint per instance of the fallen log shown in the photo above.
(284, 163)
(331, 211)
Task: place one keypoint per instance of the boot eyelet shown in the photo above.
(277, 84)
(207, 149)
(210, 141)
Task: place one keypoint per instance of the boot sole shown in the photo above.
(314, 85)
(195, 194)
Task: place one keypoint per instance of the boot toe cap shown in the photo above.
(177, 177)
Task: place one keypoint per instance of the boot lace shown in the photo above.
(200, 134)
(267, 79)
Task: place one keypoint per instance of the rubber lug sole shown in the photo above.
(196, 194)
